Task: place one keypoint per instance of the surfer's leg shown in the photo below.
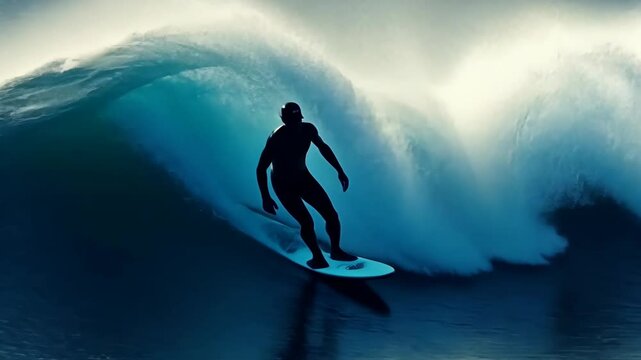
(294, 205)
(314, 194)
(304, 218)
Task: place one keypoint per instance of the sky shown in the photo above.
(443, 30)
(400, 41)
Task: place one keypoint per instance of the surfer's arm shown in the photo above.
(325, 150)
(261, 170)
(328, 154)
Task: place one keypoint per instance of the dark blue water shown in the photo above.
(103, 255)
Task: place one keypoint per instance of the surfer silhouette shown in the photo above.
(286, 150)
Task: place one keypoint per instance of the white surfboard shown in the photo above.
(295, 250)
(360, 268)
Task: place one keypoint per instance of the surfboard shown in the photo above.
(296, 251)
(361, 268)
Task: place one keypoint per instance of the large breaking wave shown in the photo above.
(423, 195)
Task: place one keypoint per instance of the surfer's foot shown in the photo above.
(317, 263)
(341, 255)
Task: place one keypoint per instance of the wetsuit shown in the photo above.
(293, 182)
(286, 149)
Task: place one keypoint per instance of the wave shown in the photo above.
(423, 196)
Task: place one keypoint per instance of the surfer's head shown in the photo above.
(291, 113)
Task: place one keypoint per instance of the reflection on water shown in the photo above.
(306, 340)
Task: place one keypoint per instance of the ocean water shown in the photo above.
(107, 256)
(125, 232)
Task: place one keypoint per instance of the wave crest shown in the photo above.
(424, 196)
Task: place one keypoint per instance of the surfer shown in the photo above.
(285, 150)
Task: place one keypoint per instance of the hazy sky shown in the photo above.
(424, 38)
(436, 33)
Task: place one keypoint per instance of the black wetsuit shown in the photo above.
(286, 149)
(291, 179)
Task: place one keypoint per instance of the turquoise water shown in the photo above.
(112, 258)
(124, 231)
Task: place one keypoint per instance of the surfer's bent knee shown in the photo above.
(307, 229)
(332, 217)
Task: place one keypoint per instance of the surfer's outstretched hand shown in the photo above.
(269, 205)
(344, 180)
